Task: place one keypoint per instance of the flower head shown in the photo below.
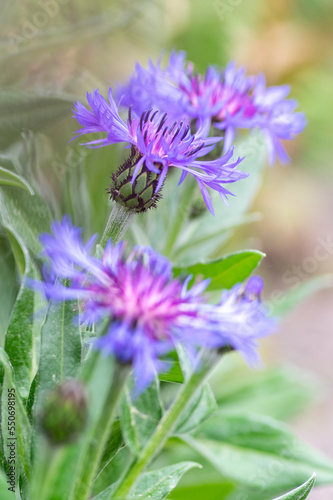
(160, 144)
(148, 311)
(63, 415)
(227, 99)
(240, 319)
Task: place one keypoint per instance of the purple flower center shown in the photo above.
(142, 299)
(216, 99)
(161, 137)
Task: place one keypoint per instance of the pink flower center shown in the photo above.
(213, 97)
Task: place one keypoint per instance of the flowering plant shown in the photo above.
(109, 345)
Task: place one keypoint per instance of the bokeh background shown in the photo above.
(70, 46)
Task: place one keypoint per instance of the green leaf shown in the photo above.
(265, 451)
(60, 354)
(114, 444)
(24, 216)
(112, 471)
(291, 299)
(278, 392)
(301, 492)
(193, 248)
(199, 410)
(210, 491)
(155, 485)
(8, 178)
(8, 285)
(207, 234)
(225, 272)
(18, 250)
(22, 340)
(174, 374)
(5, 494)
(22, 424)
(140, 416)
(22, 110)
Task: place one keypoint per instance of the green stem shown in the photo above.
(119, 220)
(93, 453)
(166, 425)
(47, 469)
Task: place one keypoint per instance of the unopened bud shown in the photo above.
(64, 414)
(139, 195)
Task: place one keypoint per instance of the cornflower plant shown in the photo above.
(109, 345)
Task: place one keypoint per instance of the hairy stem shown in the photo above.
(167, 425)
(119, 220)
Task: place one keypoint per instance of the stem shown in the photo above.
(119, 220)
(93, 453)
(166, 425)
(49, 460)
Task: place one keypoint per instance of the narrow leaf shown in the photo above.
(25, 216)
(154, 485)
(5, 493)
(8, 178)
(22, 110)
(8, 285)
(23, 332)
(301, 492)
(198, 411)
(174, 374)
(258, 445)
(140, 416)
(279, 392)
(60, 346)
(22, 431)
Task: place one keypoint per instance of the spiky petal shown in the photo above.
(227, 99)
(160, 144)
(148, 311)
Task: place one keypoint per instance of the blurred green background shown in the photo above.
(63, 48)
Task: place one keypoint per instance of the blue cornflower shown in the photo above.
(160, 144)
(227, 99)
(239, 319)
(149, 312)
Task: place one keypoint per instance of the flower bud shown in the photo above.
(64, 414)
(140, 195)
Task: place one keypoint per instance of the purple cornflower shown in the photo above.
(239, 319)
(160, 144)
(227, 99)
(149, 312)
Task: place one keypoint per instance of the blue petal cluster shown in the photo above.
(160, 144)
(228, 99)
(148, 311)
